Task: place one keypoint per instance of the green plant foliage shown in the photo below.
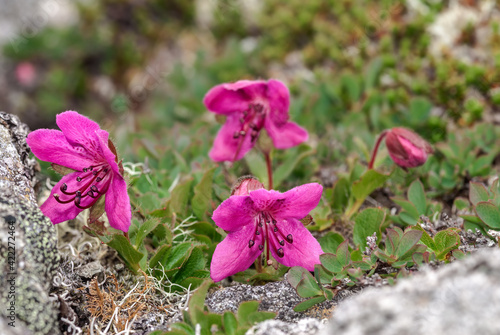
(442, 244)
(197, 317)
(400, 246)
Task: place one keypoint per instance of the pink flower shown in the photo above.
(87, 153)
(406, 148)
(25, 73)
(249, 107)
(266, 218)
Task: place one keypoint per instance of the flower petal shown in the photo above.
(279, 101)
(234, 97)
(58, 212)
(286, 135)
(234, 213)
(303, 251)
(51, 146)
(233, 254)
(295, 203)
(78, 129)
(118, 204)
(105, 152)
(225, 146)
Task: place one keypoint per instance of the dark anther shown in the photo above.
(90, 168)
(260, 223)
(90, 194)
(64, 187)
(282, 242)
(245, 113)
(94, 188)
(261, 246)
(84, 169)
(242, 120)
(78, 178)
(275, 229)
(56, 195)
(95, 173)
(243, 133)
(106, 170)
(257, 232)
(258, 108)
(253, 126)
(289, 238)
(274, 221)
(78, 193)
(98, 179)
(251, 243)
(280, 252)
(236, 134)
(77, 200)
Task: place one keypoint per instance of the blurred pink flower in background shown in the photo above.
(406, 148)
(25, 73)
(251, 106)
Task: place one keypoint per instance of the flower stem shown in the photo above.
(258, 264)
(375, 149)
(269, 170)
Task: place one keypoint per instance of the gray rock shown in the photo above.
(28, 253)
(460, 298)
(277, 297)
(303, 327)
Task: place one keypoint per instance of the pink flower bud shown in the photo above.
(406, 148)
(246, 184)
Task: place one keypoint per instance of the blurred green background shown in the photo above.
(354, 68)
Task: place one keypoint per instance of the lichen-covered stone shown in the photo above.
(459, 298)
(28, 248)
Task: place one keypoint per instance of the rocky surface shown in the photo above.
(460, 298)
(28, 254)
(277, 297)
(303, 327)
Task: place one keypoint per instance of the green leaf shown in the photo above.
(246, 308)
(197, 299)
(158, 256)
(341, 194)
(256, 164)
(181, 328)
(408, 206)
(257, 317)
(176, 256)
(195, 262)
(408, 241)
(305, 305)
(180, 197)
(477, 193)
(230, 323)
(426, 238)
(127, 252)
(489, 214)
(330, 262)
(369, 182)
(285, 170)
(392, 240)
(144, 229)
(343, 254)
(308, 286)
(416, 195)
(203, 195)
(366, 223)
(295, 275)
(330, 242)
(446, 240)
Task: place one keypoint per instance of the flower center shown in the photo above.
(252, 121)
(94, 183)
(267, 225)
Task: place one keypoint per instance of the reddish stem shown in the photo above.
(375, 150)
(269, 170)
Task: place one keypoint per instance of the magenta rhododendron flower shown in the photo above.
(85, 153)
(266, 219)
(251, 106)
(406, 148)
